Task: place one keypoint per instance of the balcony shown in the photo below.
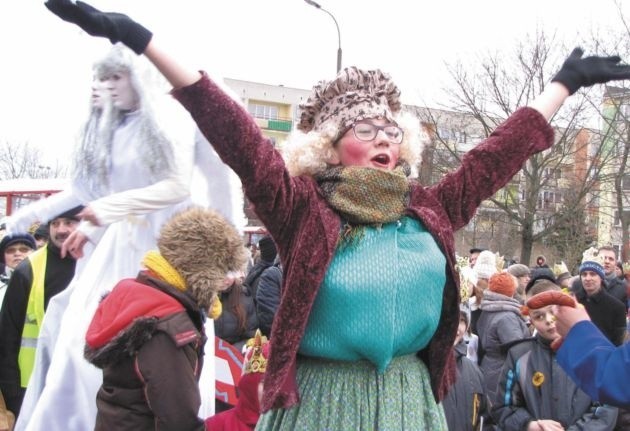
(275, 124)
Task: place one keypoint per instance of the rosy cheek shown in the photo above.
(353, 153)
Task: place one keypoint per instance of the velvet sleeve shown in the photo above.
(490, 165)
(240, 144)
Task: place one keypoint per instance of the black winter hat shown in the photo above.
(24, 238)
(540, 274)
(42, 231)
(71, 213)
(267, 249)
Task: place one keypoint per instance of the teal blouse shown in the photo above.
(381, 297)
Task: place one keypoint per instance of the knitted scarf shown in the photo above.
(163, 270)
(365, 196)
(159, 266)
(493, 302)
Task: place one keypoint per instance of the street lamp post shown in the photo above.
(318, 6)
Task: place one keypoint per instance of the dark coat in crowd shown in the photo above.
(533, 386)
(500, 324)
(465, 402)
(606, 312)
(226, 325)
(59, 273)
(268, 297)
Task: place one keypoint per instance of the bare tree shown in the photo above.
(555, 186)
(21, 160)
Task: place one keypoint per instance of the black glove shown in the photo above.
(116, 27)
(577, 72)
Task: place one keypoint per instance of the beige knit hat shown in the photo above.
(352, 96)
(486, 264)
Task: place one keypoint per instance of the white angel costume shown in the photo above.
(134, 177)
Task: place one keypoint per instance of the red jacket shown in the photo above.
(243, 416)
(148, 339)
(305, 228)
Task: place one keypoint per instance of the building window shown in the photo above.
(549, 200)
(258, 110)
(555, 174)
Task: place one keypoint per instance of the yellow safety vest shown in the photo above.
(34, 315)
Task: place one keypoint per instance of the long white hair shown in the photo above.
(92, 158)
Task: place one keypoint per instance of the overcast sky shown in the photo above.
(46, 63)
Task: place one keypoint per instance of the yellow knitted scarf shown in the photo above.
(159, 266)
(156, 263)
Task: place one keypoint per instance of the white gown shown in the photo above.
(62, 392)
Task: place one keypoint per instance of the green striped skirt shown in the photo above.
(341, 396)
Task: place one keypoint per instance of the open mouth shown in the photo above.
(381, 159)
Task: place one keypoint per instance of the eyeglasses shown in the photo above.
(368, 132)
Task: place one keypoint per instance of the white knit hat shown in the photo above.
(486, 264)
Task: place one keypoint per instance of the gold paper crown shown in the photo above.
(626, 267)
(560, 268)
(33, 228)
(500, 262)
(462, 266)
(592, 255)
(255, 360)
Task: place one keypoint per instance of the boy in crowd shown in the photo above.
(535, 394)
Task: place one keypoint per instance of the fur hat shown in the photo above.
(203, 247)
(519, 270)
(8, 240)
(486, 264)
(353, 95)
(267, 248)
(503, 283)
(592, 261)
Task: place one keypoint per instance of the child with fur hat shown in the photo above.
(147, 334)
(500, 323)
(354, 228)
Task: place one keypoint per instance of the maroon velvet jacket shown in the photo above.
(306, 228)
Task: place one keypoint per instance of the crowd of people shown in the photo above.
(356, 313)
(515, 377)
